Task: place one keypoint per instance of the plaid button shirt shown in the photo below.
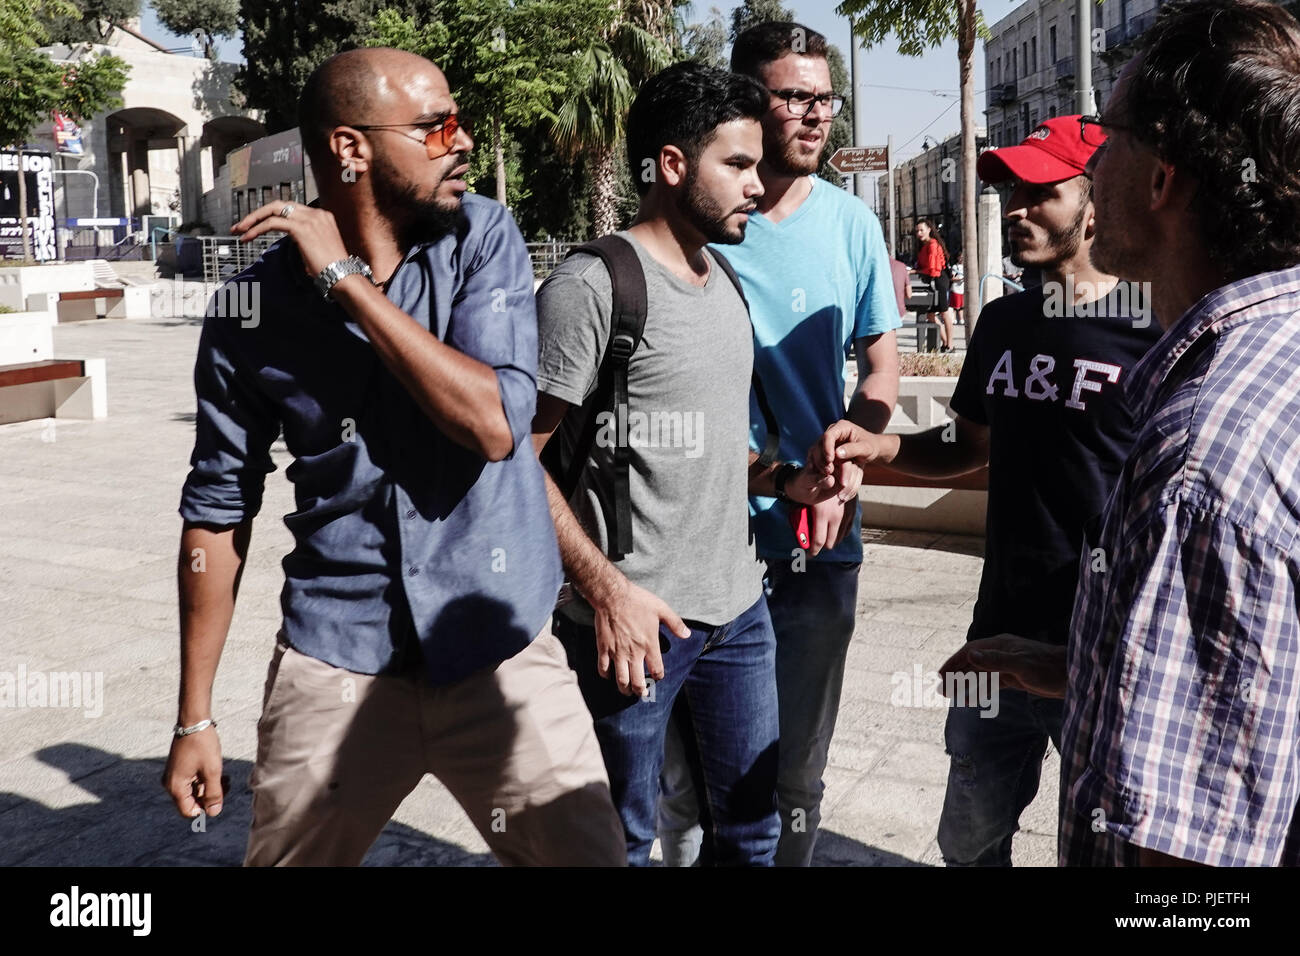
(1182, 722)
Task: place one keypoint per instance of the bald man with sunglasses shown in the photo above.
(395, 348)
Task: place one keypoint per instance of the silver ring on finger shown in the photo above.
(287, 211)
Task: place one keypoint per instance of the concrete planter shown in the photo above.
(17, 283)
(26, 337)
(923, 404)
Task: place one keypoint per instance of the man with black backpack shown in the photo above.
(815, 269)
(646, 356)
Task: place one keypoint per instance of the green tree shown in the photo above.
(505, 61)
(284, 40)
(920, 25)
(205, 19)
(758, 11)
(706, 42)
(32, 86)
(90, 21)
(607, 74)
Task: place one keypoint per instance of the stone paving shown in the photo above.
(88, 544)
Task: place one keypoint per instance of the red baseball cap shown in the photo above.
(1052, 152)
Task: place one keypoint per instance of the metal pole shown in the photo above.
(889, 173)
(1083, 98)
(94, 192)
(859, 107)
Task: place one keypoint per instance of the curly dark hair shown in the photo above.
(1217, 92)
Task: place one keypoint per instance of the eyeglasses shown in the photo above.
(439, 138)
(1093, 131)
(801, 102)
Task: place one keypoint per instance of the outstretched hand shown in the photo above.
(846, 443)
(1020, 663)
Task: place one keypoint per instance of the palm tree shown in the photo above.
(607, 74)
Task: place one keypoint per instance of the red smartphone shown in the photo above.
(799, 525)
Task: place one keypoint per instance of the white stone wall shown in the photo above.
(191, 89)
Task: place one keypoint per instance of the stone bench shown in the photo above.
(33, 383)
(53, 388)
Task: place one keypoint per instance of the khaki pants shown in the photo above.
(337, 753)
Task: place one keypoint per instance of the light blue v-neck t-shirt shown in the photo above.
(815, 281)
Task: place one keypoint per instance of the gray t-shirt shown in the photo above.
(687, 426)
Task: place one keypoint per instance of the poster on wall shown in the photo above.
(67, 136)
(39, 173)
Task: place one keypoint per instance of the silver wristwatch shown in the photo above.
(335, 271)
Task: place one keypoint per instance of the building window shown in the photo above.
(238, 213)
(1051, 42)
(1033, 54)
(286, 191)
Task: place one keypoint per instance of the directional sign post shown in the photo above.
(860, 159)
(848, 160)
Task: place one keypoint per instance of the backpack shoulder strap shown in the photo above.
(773, 443)
(627, 324)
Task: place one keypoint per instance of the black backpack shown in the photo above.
(626, 326)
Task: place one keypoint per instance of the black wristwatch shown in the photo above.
(784, 473)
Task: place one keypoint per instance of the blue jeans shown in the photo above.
(994, 773)
(720, 686)
(813, 613)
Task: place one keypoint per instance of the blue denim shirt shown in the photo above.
(399, 532)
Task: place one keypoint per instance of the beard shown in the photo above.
(706, 214)
(1061, 245)
(417, 218)
(786, 159)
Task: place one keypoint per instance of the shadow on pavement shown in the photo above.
(131, 822)
(835, 850)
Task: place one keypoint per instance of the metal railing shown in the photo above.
(545, 256)
(1003, 93)
(225, 256)
(85, 244)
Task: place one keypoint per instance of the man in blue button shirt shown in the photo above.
(425, 560)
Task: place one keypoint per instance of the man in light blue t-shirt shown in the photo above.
(816, 272)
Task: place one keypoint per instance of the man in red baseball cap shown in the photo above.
(1041, 401)
(1053, 193)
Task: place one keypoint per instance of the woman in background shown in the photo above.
(932, 264)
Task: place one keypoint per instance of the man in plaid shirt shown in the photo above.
(1181, 741)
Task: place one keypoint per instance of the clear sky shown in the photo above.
(910, 97)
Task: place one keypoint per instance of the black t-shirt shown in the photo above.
(1050, 387)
